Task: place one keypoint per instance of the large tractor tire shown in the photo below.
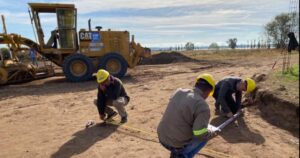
(114, 63)
(3, 76)
(77, 68)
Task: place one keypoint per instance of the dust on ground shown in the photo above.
(46, 118)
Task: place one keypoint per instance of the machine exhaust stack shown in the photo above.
(90, 28)
(4, 26)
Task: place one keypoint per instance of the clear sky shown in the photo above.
(161, 23)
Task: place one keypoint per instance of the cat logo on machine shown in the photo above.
(90, 36)
(85, 36)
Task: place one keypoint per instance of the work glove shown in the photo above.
(248, 102)
(210, 135)
(242, 111)
(229, 114)
(102, 87)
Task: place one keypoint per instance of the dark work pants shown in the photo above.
(231, 103)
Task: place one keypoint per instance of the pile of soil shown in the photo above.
(166, 58)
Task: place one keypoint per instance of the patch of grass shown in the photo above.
(292, 73)
(295, 71)
(229, 54)
(284, 85)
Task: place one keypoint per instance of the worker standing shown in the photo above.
(33, 56)
(224, 94)
(111, 92)
(183, 127)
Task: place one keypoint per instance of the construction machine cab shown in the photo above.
(64, 34)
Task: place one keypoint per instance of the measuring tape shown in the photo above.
(204, 151)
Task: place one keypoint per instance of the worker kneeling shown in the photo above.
(183, 127)
(110, 92)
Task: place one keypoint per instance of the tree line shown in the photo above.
(275, 33)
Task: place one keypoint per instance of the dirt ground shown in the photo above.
(46, 118)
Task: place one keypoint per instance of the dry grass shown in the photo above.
(231, 54)
(228, 55)
(285, 86)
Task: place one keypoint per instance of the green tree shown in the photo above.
(277, 29)
(258, 45)
(214, 46)
(232, 43)
(189, 46)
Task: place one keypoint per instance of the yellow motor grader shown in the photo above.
(83, 53)
(80, 55)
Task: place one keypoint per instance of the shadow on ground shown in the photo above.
(280, 112)
(84, 139)
(238, 132)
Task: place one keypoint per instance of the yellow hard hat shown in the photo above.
(101, 75)
(250, 84)
(209, 79)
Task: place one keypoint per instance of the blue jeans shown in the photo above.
(34, 61)
(188, 151)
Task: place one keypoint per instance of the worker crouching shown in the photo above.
(183, 127)
(111, 92)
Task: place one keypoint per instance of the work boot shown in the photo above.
(110, 116)
(217, 109)
(123, 119)
(217, 112)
